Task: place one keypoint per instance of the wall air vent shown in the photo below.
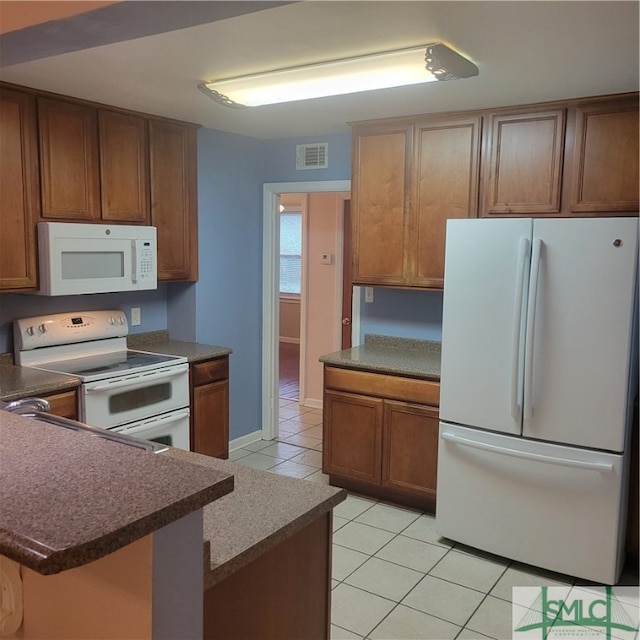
(312, 156)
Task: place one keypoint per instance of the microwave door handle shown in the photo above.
(134, 261)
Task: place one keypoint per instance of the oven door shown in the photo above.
(136, 396)
(170, 428)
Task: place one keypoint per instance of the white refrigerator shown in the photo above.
(539, 373)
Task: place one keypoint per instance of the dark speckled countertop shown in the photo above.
(159, 342)
(264, 510)
(385, 354)
(68, 498)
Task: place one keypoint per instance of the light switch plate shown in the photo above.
(135, 316)
(326, 258)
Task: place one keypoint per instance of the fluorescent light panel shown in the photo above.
(351, 75)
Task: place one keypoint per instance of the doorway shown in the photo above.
(271, 271)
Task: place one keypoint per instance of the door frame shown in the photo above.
(270, 291)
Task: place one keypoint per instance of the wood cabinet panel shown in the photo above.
(445, 186)
(352, 436)
(522, 162)
(210, 409)
(19, 190)
(383, 385)
(380, 182)
(174, 199)
(210, 371)
(376, 445)
(296, 574)
(605, 161)
(124, 167)
(69, 162)
(410, 447)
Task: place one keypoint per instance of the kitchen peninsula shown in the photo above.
(122, 530)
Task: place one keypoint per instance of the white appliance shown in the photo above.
(539, 370)
(137, 393)
(79, 258)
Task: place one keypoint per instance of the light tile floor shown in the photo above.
(393, 577)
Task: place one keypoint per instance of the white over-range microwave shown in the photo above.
(77, 258)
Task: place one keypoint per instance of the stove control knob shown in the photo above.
(42, 328)
(30, 330)
(120, 320)
(111, 320)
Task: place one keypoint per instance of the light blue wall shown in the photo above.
(280, 159)
(228, 295)
(402, 313)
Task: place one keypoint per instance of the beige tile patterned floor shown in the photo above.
(394, 578)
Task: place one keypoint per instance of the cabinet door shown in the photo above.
(605, 161)
(210, 419)
(124, 167)
(174, 199)
(69, 163)
(380, 201)
(522, 163)
(19, 198)
(445, 186)
(352, 436)
(410, 447)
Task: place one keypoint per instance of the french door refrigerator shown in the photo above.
(539, 373)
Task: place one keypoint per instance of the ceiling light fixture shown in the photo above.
(338, 77)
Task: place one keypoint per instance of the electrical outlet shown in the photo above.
(135, 316)
(368, 294)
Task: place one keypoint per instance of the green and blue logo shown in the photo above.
(588, 613)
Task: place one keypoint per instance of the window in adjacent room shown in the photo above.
(290, 252)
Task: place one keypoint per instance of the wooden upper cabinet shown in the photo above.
(124, 167)
(174, 198)
(445, 186)
(69, 160)
(605, 159)
(380, 201)
(409, 178)
(19, 196)
(522, 162)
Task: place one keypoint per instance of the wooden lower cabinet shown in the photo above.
(210, 407)
(410, 448)
(381, 446)
(284, 594)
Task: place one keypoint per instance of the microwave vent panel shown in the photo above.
(312, 156)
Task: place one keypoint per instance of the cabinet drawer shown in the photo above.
(211, 371)
(383, 385)
(63, 404)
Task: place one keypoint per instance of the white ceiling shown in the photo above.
(526, 52)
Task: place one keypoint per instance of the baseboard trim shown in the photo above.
(311, 402)
(243, 441)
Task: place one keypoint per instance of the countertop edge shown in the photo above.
(47, 561)
(215, 575)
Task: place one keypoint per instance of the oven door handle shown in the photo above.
(138, 380)
(145, 425)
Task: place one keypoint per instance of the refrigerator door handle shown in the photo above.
(523, 253)
(536, 253)
(535, 457)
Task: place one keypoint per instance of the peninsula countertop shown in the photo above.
(385, 354)
(264, 510)
(69, 498)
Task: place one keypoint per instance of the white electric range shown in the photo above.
(129, 391)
